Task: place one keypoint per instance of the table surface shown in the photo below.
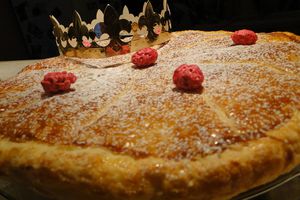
(10, 68)
(289, 190)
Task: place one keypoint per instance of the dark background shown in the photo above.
(26, 32)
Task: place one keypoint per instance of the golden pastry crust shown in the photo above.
(128, 134)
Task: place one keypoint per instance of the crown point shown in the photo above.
(116, 30)
(76, 13)
(110, 15)
(125, 10)
(149, 7)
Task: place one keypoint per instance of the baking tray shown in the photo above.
(285, 187)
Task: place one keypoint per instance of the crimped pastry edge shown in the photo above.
(67, 172)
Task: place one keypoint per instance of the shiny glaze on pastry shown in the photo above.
(248, 93)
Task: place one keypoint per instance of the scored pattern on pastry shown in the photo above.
(248, 91)
(221, 113)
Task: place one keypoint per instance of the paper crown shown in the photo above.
(112, 34)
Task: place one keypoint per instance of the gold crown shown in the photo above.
(112, 34)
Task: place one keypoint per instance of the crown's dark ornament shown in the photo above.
(113, 34)
(152, 21)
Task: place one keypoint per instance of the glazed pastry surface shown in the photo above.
(127, 133)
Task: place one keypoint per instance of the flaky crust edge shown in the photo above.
(67, 172)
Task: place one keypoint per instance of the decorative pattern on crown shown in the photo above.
(112, 34)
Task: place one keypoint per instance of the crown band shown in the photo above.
(112, 34)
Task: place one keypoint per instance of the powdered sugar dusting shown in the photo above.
(248, 90)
